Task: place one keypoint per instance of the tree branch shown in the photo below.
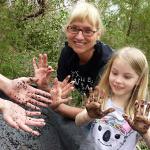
(41, 11)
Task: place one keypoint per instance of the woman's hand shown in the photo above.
(57, 95)
(141, 120)
(22, 92)
(94, 104)
(17, 117)
(42, 72)
(67, 87)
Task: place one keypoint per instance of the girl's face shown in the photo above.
(122, 78)
(81, 36)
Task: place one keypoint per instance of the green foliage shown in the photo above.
(126, 21)
(21, 40)
(142, 146)
(77, 99)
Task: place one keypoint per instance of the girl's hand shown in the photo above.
(42, 72)
(17, 117)
(141, 120)
(94, 104)
(22, 92)
(56, 95)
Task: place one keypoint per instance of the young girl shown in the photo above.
(118, 120)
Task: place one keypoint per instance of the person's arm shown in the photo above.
(93, 108)
(22, 92)
(147, 138)
(3, 82)
(82, 118)
(68, 111)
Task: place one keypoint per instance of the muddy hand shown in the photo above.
(141, 120)
(94, 104)
(17, 117)
(56, 95)
(67, 87)
(22, 92)
(42, 72)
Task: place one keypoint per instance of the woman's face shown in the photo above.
(81, 36)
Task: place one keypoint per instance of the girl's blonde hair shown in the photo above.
(137, 60)
(84, 11)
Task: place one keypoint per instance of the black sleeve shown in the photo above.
(63, 66)
(107, 52)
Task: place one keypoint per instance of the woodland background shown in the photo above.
(30, 27)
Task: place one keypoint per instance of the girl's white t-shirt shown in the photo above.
(112, 132)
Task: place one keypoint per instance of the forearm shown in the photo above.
(3, 83)
(68, 111)
(147, 138)
(82, 118)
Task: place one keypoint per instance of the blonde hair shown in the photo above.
(84, 11)
(137, 60)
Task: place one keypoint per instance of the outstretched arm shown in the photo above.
(83, 118)
(17, 117)
(22, 92)
(93, 110)
(68, 111)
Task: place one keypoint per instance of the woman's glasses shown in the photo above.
(75, 30)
